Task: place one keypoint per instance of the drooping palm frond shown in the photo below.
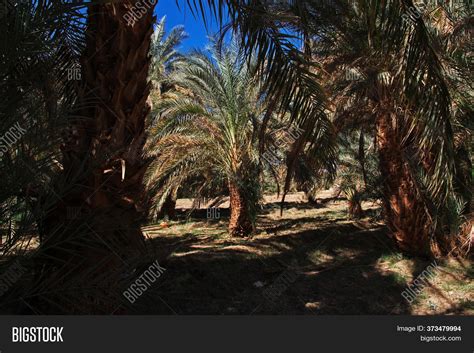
(453, 24)
(271, 29)
(41, 45)
(313, 158)
(384, 62)
(270, 34)
(214, 111)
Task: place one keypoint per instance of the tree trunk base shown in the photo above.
(405, 212)
(355, 209)
(240, 224)
(168, 209)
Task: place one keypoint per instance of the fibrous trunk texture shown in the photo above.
(310, 196)
(240, 224)
(168, 210)
(93, 235)
(405, 212)
(355, 209)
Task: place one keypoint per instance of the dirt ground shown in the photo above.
(311, 260)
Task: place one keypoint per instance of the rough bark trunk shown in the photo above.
(361, 157)
(405, 211)
(240, 224)
(355, 209)
(169, 208)
(311, 199)
(103, 168)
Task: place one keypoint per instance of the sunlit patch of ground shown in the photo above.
(27, 243)
(310, 260)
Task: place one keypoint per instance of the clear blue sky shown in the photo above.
(194, 26)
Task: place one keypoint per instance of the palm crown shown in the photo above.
(208, 126)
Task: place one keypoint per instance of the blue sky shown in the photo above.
(194, 26)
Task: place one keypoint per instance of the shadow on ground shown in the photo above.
(330, 270)
(312, 260)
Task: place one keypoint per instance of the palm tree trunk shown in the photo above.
(361, 157)
(405, 211)
(355, 209)
(312, 200)
(240, 224)
(103, 168)
(169, 208)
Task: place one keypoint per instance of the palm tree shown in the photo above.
(404, 91)
(453, 24)
(208, 129)
(102, 167)
(39, 68)
(164, 57)
(358, 178)
(371, 86)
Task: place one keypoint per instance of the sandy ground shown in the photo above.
(311, 260)
(297, 197)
